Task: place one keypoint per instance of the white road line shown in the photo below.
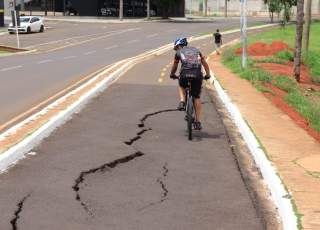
(45, 61)
(90, 52)
(111, 47)
(90, 37)
(69, 57)
(132, 41)
(172, 30)
(11, 68)
(152, 35)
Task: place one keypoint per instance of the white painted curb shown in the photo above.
(279, 195)
(17, 152)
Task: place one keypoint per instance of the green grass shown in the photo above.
(297, 213)
(272, 60)
(306, 108)
(285, 83)
(3, 53)
(258, 77)
(285, 55)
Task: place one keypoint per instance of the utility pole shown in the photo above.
(225, 8)
(205, 7)
(45, 7)
(148, 9)
(64, 7)
(243, 28)
(306, 31)
(121, 10)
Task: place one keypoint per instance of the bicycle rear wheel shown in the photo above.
(190, 111)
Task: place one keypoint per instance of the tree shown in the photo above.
(278, 6)
(274, 6)
(165, 6)
(306, 32)
(299, 31)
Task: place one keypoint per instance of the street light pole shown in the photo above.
(243, 25)
(121, 10)
(148, 9)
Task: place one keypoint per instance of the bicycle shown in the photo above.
(189, 108)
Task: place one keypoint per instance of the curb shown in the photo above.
(280, 196)
(18, 151)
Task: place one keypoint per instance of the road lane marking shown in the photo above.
(132, 41)
(11, 68)
(69, 57)
(111, 47)
(172, 30)
(89, 38)
(152, 35)
(90, 52)
(45, 61)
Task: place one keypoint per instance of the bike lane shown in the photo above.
(124, 162)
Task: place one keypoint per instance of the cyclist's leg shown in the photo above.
(196, 92)
(197, 105)
(182, 85)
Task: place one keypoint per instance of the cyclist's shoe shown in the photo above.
(197, 125)
(182, 106)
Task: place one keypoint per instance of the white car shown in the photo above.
(28, 24)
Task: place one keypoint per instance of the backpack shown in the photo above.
(190, 58)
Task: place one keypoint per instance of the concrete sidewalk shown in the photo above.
(294, 153)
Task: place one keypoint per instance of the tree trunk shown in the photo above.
(299, 32)
(225, 8)
(306, 32)
(205, 7)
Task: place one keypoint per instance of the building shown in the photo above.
(131, 8)
(137, 8)
(217, 7)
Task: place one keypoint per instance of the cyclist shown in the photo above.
(191, 61)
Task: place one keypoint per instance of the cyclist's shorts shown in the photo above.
(196, 85)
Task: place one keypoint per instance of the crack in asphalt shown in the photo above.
(16, 217)
(160, 180)
(81, 178)
(137, 137)
(141, 124)
(163, 186)
(102, 168)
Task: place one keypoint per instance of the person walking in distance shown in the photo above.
(217, 41)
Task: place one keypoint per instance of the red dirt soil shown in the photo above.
(261, 49)
(278, 100)
(287, 70)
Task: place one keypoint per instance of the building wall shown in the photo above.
(218, 6)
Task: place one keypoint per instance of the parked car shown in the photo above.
(28, 24)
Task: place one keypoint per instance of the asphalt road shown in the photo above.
(26, 80)
(124, 162)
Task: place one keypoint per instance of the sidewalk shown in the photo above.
(294, 153)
